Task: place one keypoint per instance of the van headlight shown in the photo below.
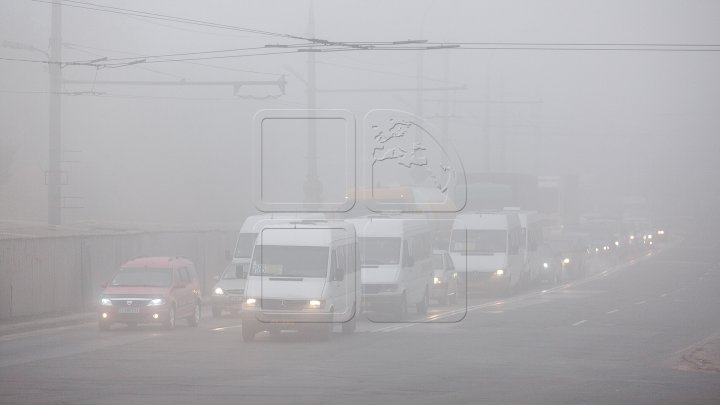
(499, 272)
(105, 301)
(315, 304)
(155, 302)
(218, 291)
(251, 302)
(436, 280)
(661, 232)
(545, 265)
(566, 260)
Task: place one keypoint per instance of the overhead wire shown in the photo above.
(165, 17)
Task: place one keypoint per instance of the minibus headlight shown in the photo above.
(436, 280)
(566, 260)
(315, 303)
(545, 265)
(219, 291)
(105, 301)
(499, 272)
(251, 302)
(661, 232)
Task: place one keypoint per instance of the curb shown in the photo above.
(47, 322)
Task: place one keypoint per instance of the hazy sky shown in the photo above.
(626, 122)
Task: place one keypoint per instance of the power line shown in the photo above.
(139, 56)
(141, 61)
(101, 63)
(167, 55)
(578, 44)
(139, 96)
(165, 17)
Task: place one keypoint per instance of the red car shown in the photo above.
(151, 290)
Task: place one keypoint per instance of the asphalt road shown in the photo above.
(616, 336)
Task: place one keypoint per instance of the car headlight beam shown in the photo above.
(155, 302)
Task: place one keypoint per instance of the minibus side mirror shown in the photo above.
(338, 274)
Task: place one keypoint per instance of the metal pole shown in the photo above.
(313, 187)
(446, 103)
(54, 174)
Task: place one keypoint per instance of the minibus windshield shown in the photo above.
(290, 261)
(479, 241)
(379, 250)
(244, 245)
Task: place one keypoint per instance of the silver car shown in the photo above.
(229, 291)
(445, 278)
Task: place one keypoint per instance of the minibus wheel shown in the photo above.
(248, 332)
(422, 306)
(401, 310)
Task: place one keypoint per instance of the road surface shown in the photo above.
(627, 334)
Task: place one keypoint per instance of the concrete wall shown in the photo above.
(64, 274)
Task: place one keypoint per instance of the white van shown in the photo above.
(250, 228)
(487, 247)
(229, 290)
(396, 262)
(532, 224)
(303, 276)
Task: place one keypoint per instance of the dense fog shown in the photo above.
(321, 201)
(626, 121)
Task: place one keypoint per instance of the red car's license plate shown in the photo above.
(129, 310)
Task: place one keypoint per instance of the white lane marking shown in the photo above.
(640, 302)
(613, 311)
(578, 323)
(663, 295)
(226, 327)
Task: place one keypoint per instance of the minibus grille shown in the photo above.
(285, 305)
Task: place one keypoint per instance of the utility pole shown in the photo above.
(54, 173)
(446, 102)
(486, 126)
(313, 187)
